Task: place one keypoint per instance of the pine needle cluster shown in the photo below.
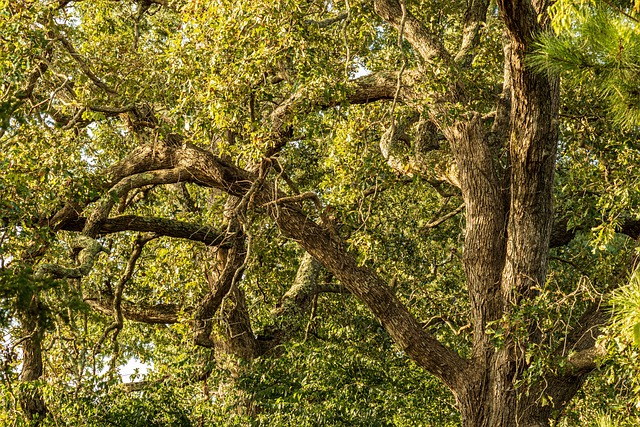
(597, 43)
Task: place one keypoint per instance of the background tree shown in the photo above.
(289, 209)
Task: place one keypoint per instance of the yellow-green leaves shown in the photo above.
(626, 310)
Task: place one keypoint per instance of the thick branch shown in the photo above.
(484, 244)
(111, 110)
(382, 86)
(90, 249)
(205, 169)
(153, 314)
(40, 70)
(584, 361)
(32, 325)
(474, 17)
(158, 226)
(428, 45)
(328, 21)
(561, 235)
(532, 153)
(104, 206)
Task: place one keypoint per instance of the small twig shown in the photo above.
(75, 119)
(112, 110)
(451, 214)
(345, 39)
(83, 65)
(618, 9)
(293, 199)
(23, 339)
(280, 169)
(440, 319)
(379, 188)
(246, 200)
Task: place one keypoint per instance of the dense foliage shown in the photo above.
(151, 152)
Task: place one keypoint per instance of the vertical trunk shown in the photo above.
(532, 153)
(507, 237)
(31, 399)
(484, 245)
(236, 335)
(491, 399)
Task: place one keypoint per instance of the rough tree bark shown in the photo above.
(31, 399)
(505, 174)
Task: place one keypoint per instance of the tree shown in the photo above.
(176, 163)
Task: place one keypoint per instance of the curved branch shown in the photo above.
(118, 318)
(202, 167)
(234, 262)
(403, 327)
(90, 249)
(474, 17)
(107, 202)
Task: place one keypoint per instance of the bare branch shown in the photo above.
(117, 324)
(112, 110)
